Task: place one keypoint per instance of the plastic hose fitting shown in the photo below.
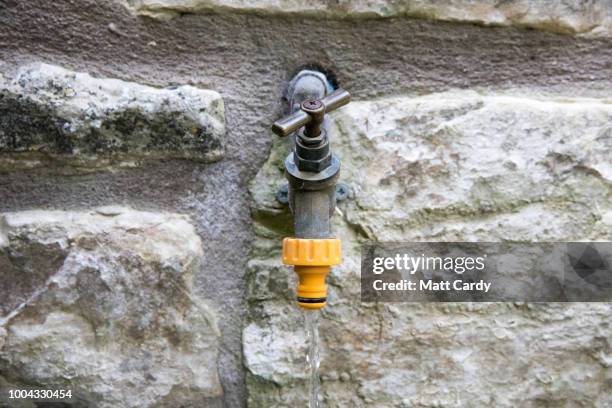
(312, 260)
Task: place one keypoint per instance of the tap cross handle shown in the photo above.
(311, 114)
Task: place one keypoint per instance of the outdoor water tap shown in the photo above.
(312, 170)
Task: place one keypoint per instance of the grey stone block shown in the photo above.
(50, 114)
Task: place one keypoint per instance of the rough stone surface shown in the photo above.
(593, 18)
(450, 166)
(48, 112)
(248, 58)
(106, 308)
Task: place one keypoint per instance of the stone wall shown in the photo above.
(140, 236)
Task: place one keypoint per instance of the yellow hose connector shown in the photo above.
(312, 260)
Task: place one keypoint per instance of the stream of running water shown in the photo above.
(311, 318)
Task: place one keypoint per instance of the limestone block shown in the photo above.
(106, 308)
(593, 18)
(49, 114)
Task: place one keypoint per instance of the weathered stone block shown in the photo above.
(50, 114)
(453, 166)
(106, 308)
(593, 18)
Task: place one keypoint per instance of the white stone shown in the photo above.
(75, 118)
(116, 321)
(592, 18)
(470, 166)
